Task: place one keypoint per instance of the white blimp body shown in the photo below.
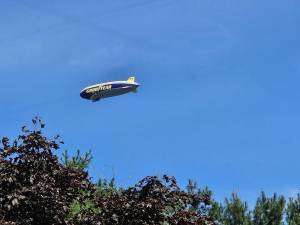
(109, 89)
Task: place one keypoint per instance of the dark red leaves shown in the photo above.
(36, 189)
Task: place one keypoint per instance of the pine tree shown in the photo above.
(236, 212)
(78, 161)
(269, 211)
(293, 211)
(215, 210)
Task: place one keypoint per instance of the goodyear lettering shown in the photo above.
(99, 88)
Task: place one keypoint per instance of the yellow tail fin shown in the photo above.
(131, 79)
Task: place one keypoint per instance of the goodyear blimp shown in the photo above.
(109, 89)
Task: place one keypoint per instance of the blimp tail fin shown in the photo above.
(131, 79)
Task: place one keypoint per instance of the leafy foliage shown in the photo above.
(36, 188)
(83, 210)
(152, 201)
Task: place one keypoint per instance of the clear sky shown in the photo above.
(219, 95)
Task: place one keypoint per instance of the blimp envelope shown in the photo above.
(109, 89)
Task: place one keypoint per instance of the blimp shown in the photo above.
(109, 89)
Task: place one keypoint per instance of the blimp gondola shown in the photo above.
(109, 89)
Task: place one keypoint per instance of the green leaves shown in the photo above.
(83, 207)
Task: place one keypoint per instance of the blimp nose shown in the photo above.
(83, 94)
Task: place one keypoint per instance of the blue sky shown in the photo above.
(219, 94)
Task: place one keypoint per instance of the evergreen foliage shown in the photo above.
(106, 187)
(214, 209)
(269, 210)
(236, 212)
(36, 188)
(78, 161)
(293, 211)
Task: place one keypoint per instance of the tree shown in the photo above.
(236, 212)
(34, 187)
(152, 201)
(269, 210)
(106, 187)
(293, 211)
(78, 161)
(214, 210)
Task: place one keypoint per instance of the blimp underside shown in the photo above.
(111, 93)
